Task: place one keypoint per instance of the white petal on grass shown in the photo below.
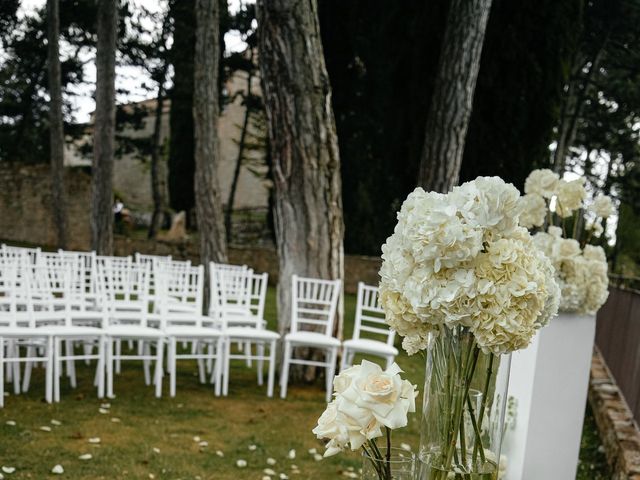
(241, 463)
(284, 476)
(220, 453)
(115, 420)
(196, 439)
(11, 423)
(294, 467)
(405, 446)
(85, 456)
(156, 450)
(292, 454)
(203, 443)
(152, 476)
(312, 451)
(45, 428)
(266, 477)
(271, 461)
(103, 411)
(57, 470)
(8, 469)
(105, 405)
(55, 422)
(317, 457)
(252, 448)
(94, 440)
(269, 471)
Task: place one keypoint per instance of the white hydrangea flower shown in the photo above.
(462, 259)
(603, 206)
(543, 182)
(534, 210)
(570, 196)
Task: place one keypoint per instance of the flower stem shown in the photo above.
(388, 462)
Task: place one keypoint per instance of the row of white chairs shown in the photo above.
(51, 303)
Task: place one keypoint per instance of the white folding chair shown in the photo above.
(251, 288)
(13, 292)
(31, 253)
(371, 334)
(180, 314)
(313, 312)
(125, 286)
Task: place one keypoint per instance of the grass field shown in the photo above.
(142, 437)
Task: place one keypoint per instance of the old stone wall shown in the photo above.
(26, 206)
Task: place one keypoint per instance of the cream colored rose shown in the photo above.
(603, 206)
(542, 182)
(534, 210)
(570, 196)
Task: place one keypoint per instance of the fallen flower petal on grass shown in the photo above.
(269, 471)
(11, 423)
(271, 461)
(204, 443)
(85, 456)
(94, 440)
(405, 446)
(105, 405)
(196, 439)
(241, 463)
(312, 451)
(252, 448)
(8, 469)
(55, 422)
(57, 470)
(156, 450)
(45, 428)
(220, 453)
(103, 411)
(115, 420)
(292, 454)
(317, 457)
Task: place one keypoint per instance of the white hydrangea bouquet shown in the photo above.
(461, 279)
(559, 207)
(368, 403)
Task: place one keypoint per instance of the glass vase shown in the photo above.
(400, 465)
(463, 412)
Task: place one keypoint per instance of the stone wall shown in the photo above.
(357, 267)
(618, 431)
(25, 205)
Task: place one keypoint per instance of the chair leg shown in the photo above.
(87, 348)
(390, 360)
(100, 367)
(16, 369)
(272, 368)
(26, 379)
(172, 366)
(247, 349)
(284, 374)
(217, 366)
(1, 372)
(71, 365)
(343, 361)
(226, 369)
(109, 361)
(56, 370)
(200, 349)
(117, 358)
(158, 372)
(8, 365)
(260, 362)
(146, 351)
(48, 392)
(331, 370)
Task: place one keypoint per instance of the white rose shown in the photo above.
(570, 196)
(534, 210)
(603, 206)
(542, 182)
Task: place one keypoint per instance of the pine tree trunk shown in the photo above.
(104, 130)
(159, 189)
(228, 216)
(452, 99)
(209, 211)
(304, 147)
(56, 127)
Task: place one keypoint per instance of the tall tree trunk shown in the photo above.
(236, 172)
(452, 99)
(56, 128)
(104, 130)
(159, 190)
(209, 211)
(304, 147)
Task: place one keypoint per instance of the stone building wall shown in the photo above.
(25, 205)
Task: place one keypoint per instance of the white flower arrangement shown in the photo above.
(581, 269)
(368, 403)
(461, 259)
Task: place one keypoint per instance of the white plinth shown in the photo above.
(550, 380)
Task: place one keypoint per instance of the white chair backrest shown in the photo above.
(102, 260)
(314, 304)
(179, 290)
(370, 316)
(8, 294)
(31, 253)
(258, 296)
(230, 294)
(151, 259)
(84, 272)
(47, 293)
(125, 286)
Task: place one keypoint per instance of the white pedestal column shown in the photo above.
(550, 380)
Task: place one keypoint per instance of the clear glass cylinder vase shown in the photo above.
(400, 465)
(464, 404)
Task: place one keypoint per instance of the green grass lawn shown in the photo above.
(142, 437)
